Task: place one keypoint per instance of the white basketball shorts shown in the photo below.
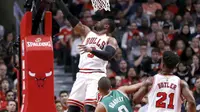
(85, 89)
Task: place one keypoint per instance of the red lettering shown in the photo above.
(98, 44)
(91, 40)
(94, 42)
(103, 44)
(167, 85)
(174, 87)
(87, 41)
(159, 85)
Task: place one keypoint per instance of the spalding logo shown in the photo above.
(38, 43)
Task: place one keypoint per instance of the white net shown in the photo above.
(101, 4)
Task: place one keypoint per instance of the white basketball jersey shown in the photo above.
(165, 95)
(90, 62)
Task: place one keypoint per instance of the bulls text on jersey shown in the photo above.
(98, 42)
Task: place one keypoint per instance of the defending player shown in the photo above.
(116, 100)
(97, 49)
(165, 89)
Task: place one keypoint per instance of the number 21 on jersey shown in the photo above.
(161, 102)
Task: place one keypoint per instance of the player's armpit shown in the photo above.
(82, 29)
(188, 96)
(131, 89)
(100, 108)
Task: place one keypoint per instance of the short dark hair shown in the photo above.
(58, 102)
(143, 42)
(9, 91)
(104, 84)
(170, 59)
(61, 92)
(12, 101)
(112, 25)
(156, 50)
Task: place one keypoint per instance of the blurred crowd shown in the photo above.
(145, 29)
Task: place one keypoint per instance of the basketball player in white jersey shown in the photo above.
(97, 49)
(165, 90)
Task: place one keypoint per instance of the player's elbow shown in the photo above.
(192, 103)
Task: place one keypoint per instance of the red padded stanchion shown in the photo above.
(37, 67)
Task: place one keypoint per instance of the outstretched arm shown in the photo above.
(106, 54)
(142, 91)
(188, 96)
(131, 89)
(76, 24)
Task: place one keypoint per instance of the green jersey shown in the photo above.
(116, 101)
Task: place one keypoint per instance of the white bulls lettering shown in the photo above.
(39, 44)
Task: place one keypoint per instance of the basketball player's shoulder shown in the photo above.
(112, 42)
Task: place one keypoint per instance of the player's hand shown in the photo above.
(84, 48)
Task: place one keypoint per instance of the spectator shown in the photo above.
(10, 95)
(178, 46)
(186, 6)
(131, 75)
(152, 66)
(142, 58)
(150, 8)
(177, 22)
(195, 65)
(184, 73)
(197, 33)
(63, 99)
(130, 40)
(168, 16)
(5, 86)
(6, 44)
(59, 107)
(11, 107)
(195, 45)
(186, 55)
(151, 37)
(159, 35)
(138, 16)
(143, 46)
(123, 66)
(196, 15)
(158, 17)
(3, 71)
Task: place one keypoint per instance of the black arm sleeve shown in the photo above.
(67, 14)
(114, 66)
(105, 55)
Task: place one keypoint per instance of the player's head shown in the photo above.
(104, 85)
(105, 24)
(170, 60)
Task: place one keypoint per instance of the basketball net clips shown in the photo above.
(101, 4)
